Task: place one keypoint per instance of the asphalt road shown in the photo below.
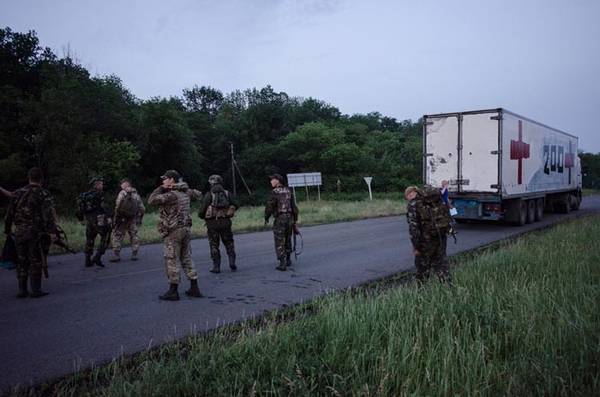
(94, 315)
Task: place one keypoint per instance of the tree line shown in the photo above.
(56, 115)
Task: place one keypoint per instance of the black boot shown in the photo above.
(288, 260)
(171, 294)
(216, 266)
(36, 287)
(23, 293)
(88, 260)
(232, 265)
(194, 291)
(282, 266)
(97, 260)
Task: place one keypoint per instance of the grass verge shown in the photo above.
(252, 218)
(520, 320)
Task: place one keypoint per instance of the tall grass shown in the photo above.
(252, 218)
(521, 320)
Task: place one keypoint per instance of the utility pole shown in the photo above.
(233, 170)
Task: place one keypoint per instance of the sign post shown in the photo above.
(306, 180)
(368, 179)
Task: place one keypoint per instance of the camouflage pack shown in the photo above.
(128, 207)
(435, 218)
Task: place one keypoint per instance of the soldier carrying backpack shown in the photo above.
(217, 209)
(428, 224)
(129, 211)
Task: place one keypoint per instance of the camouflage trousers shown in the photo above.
(220, 230)
(282, 232)
(177, 247)
(93, 230)
(121, 229)
(433, 258)
(30, 256)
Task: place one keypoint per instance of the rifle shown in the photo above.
(61, 241)
(296, 233)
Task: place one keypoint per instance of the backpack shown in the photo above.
(220, 200)
(434, 214)
(128, 207)
(220, 206)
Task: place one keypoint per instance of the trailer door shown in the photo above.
(441, 150)
(479, 155)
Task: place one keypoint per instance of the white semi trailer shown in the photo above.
(501, 166)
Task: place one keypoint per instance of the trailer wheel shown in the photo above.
(539, 209)
(522, 213)
(530, 211)
(575, 201)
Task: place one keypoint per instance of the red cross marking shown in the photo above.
(519, 150)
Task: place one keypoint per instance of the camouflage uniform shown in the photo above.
(32, 213)
(281, 205)
(432, 248)
(97, 215)
(125, 225)
(174, 227)
(218, 228)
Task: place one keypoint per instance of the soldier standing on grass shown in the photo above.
(218, 207)
(174, 226)
(282, 207)
(98, 221)
(129, 211)
(428, 225)
(32, 213)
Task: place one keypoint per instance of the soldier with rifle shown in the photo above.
(33, 216)
(93, 209)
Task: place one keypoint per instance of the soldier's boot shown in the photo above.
(36, 287)
(216, 266)
(288, 260)
(88, 260)
(194, 291)
(116, 257)
(171, 294)
(97, 260)
(232, 265)
(23, 293)
(134, 255)
(282, 266)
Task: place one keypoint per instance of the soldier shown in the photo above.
(32, 213)
(129, 211)
(282, 207)
(428, 225)
(218, 207)
(97, 216)
(174, 226)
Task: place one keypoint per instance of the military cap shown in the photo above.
(278, 177)
(215, 180)
(171, 174)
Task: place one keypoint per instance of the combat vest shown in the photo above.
(90, 204)
(176, 214)
(283, 195)
(433, 213)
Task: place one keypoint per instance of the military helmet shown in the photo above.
(215, 180)
(96, 179)
(278, 177)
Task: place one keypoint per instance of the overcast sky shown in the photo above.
(404, 59)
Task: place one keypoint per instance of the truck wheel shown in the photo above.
(575, 201)
(522, 213)
(539, 209)
(530, 211)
